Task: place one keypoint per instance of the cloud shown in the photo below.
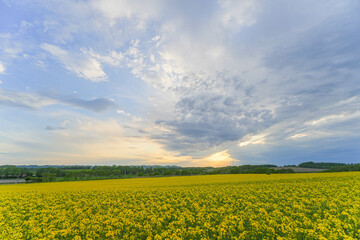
(327, 119)
(229, 85)
(223, 91)
(218, 159)
(329, 46)
(236, 75)
(24, 100)
(134, 118)
(83, 140)
(10, 47)
(299, 135)
(34, 101)
(2, 68)
(236, 14)
(96, 105)
(257, 139)
(113, 9)
(82, 65)
(218, 115)
(53, 128)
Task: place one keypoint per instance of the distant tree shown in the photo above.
(49, 177)
(323, 165)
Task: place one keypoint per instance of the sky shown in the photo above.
(187, 83)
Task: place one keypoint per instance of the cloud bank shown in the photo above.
(251, 81)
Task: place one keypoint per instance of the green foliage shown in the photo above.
(268, 169)
(10, 171)
(40, 172)
(33, 179)
(323, 165)
(73, 173)
(345, 168)
(49, 177)
(289, 170)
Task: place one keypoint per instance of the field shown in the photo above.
(244, 206)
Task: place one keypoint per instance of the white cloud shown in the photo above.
(10, 47)
(31, 100)
(81, 64)
(335, 118)
(134, 118)
(116, 9)
(25, 100)
(256, 139)
(113, 58)
(217, 159)
(326, 119)
(2, 68)
(237, 14)
(299, 135)
(223, 158)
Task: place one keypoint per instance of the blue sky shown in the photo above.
(190, 83)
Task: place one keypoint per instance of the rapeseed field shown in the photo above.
(289, 206)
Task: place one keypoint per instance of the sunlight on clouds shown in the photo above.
(326, 119)
(334, 118)
(88, 141)
(134, 118)
(219, 156)
(126, 148)
(82, 140)
(2, 68)
(257, 139)
(299, 135)
(218, 159)
(79, 63)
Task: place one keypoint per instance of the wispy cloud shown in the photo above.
(34, 101)
(2, 68)
(79, 63)
(96, 105)
(298, 135)
(257, 139)
(24, 100)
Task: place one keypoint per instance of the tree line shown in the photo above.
(322, 165)
(66, 173)
(72, 173)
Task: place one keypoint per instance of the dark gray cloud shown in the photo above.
(206, 120)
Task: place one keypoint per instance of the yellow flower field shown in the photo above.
(287, 206)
